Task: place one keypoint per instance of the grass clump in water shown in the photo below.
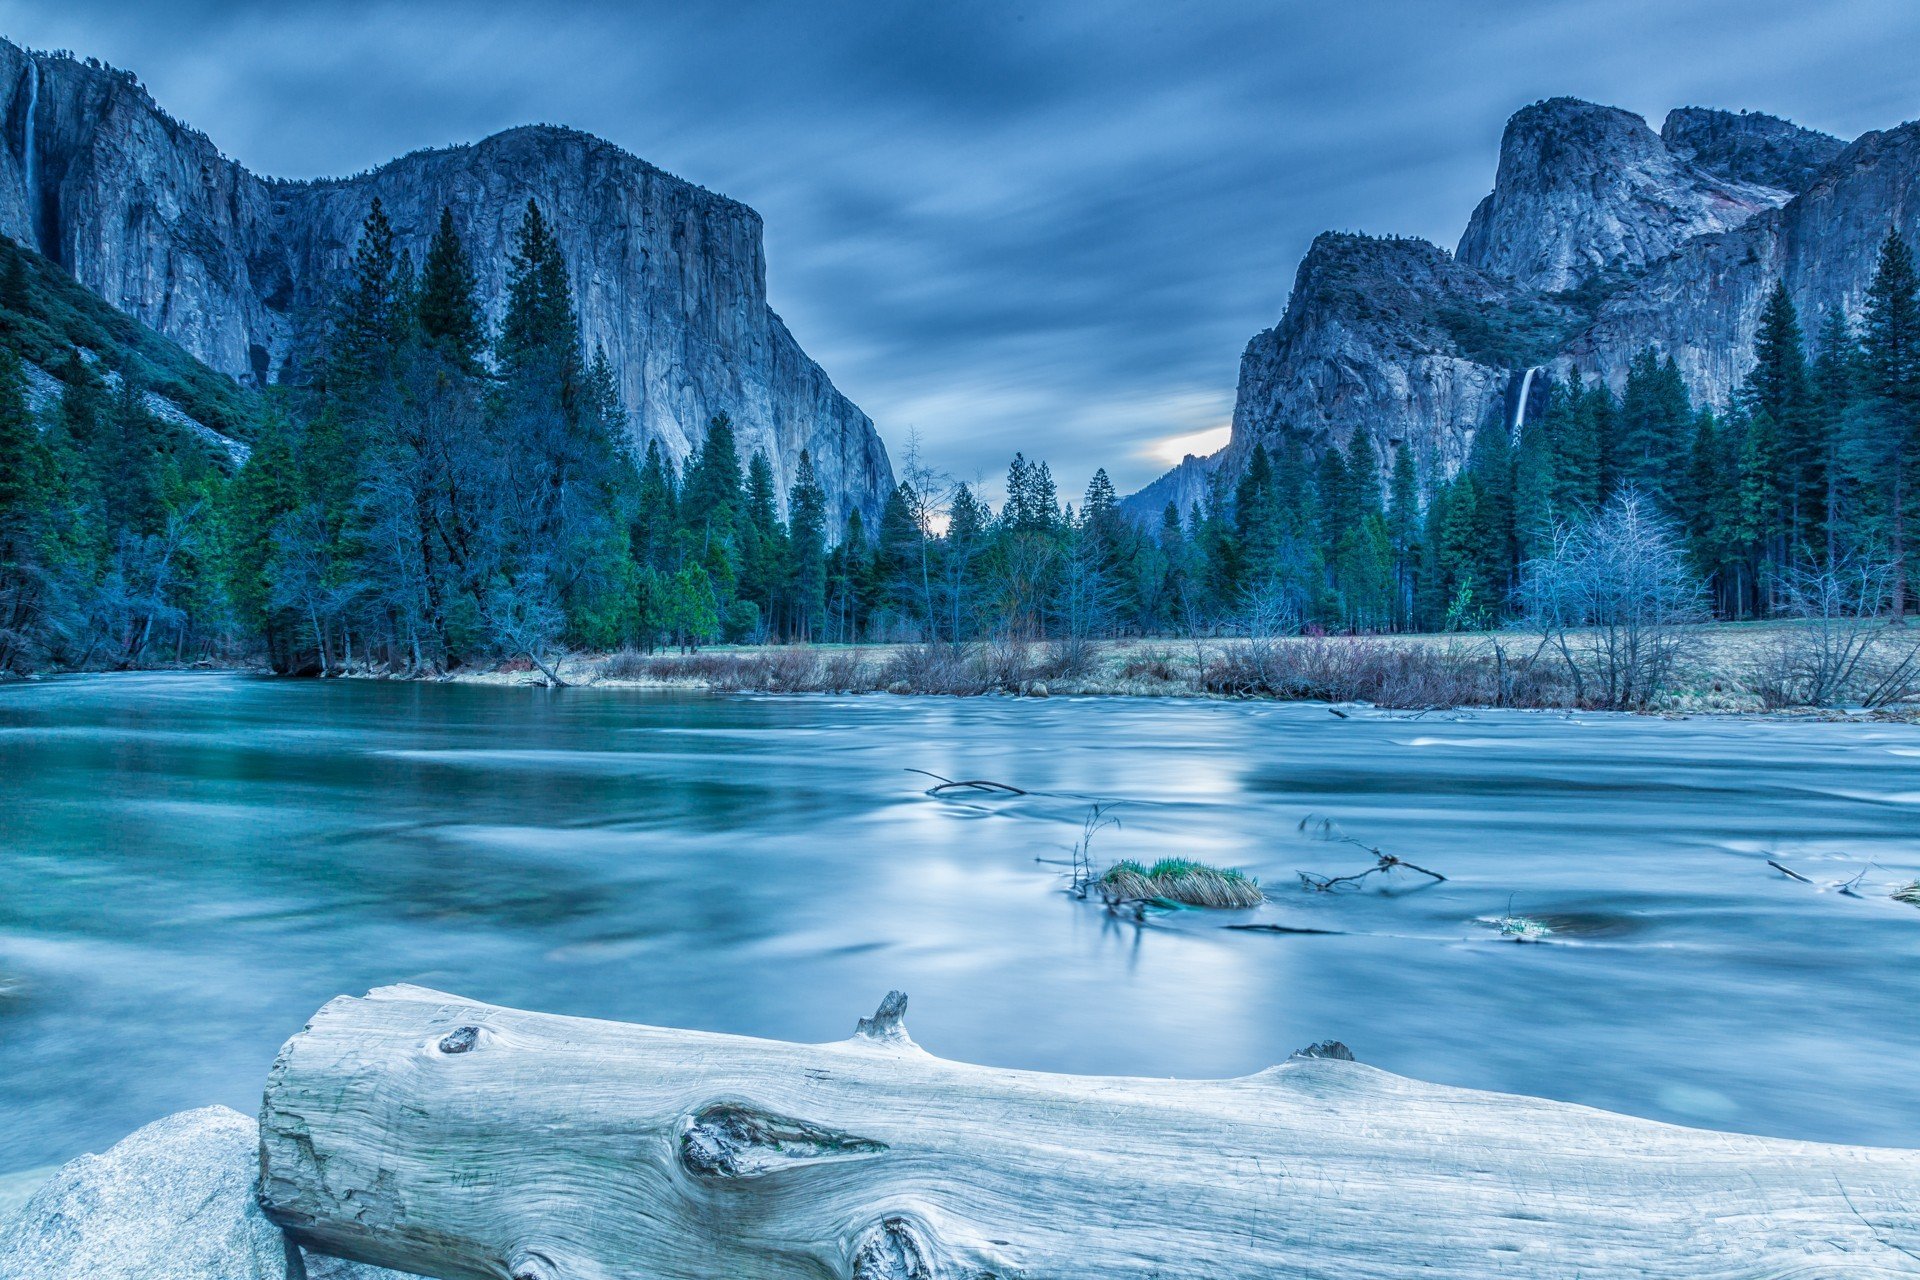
(1194, 884)
(1908, 893)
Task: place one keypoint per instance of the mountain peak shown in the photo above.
(1750, 146)
(1585, 190)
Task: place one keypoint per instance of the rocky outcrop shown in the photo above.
(174, 1201)
(1749, 147)
(1601, 238)
(1703, 304)
(1186, 485)
(1584, 189)
(1395, 336)
(670, 279)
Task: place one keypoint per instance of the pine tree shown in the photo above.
(655, 512)
(1777, 391)
(367, 321)
(1653, 429)
(1887, 437)
(539, 343)
(763, 541)
(713, 493)
(265, 491)
(807, 533)
(1403, 531)
(1835, 370)
(447, 307)
(24, 481)
(1257, 530)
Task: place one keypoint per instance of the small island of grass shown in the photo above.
(1193, 884)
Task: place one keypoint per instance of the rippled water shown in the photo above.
(194, 863)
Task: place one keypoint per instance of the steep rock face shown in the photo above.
(1680, 234)
(1749, 146)
(1380, 334)
(1584, 189)
(1703, 304)
(1184, 485)
(670, 279)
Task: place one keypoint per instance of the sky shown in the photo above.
(1006, 226)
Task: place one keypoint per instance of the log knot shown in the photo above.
(888, 1024)
(892, 1250)
(459, 1040)
(732, 1141)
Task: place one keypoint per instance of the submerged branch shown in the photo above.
(969, 784)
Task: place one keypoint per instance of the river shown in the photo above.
(193, 863)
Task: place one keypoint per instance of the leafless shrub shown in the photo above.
(1833, 654)
(934, 668)
(627, 664)
(1354, 669)
(1156, 665)
(1004, 663)
(1068, 658)
(844, 671)
(1618, 602)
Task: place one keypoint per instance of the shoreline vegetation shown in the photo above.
(1720, 669)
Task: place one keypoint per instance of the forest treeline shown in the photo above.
(435, 493)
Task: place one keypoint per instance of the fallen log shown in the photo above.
(420, 1131)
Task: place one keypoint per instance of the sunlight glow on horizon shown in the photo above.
(1172, 449)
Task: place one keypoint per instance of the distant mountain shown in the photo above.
(1600, 238)
(670, 279)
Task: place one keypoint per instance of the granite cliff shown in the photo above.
(669, 278)
(1601, 238)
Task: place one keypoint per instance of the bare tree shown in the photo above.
(1618, 601)
(1826, 655)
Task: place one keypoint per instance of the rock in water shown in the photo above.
(669, 279)
(174, 1201)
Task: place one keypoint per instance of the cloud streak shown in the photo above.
(1048, 227)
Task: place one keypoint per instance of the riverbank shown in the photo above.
(1730, 668)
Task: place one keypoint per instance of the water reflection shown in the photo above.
(193, 864)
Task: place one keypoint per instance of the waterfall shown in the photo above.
(1520, 410)
(26, 152)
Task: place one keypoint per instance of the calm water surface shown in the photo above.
(191, 864)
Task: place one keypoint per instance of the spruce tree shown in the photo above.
(807, 534)
(1887, 439)
(366, 322)
(1777, 391)
(447, 307)
(1835, 370)
(539, 343)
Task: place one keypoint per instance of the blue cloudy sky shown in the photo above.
(1001, 226)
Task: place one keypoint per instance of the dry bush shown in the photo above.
(1004, 664)
(1840, 649)
(1358, 669)
(1157, 665)
(934, 668)
(1068, 658)
(844, 671)
(627, 664)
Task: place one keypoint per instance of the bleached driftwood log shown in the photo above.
(420, 1131)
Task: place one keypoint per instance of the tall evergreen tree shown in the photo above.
(448, 306)
(807, 533)
(1887, 435)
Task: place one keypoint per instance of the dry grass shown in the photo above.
(1177, 880)
(1403, 671)
(1908, 893)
